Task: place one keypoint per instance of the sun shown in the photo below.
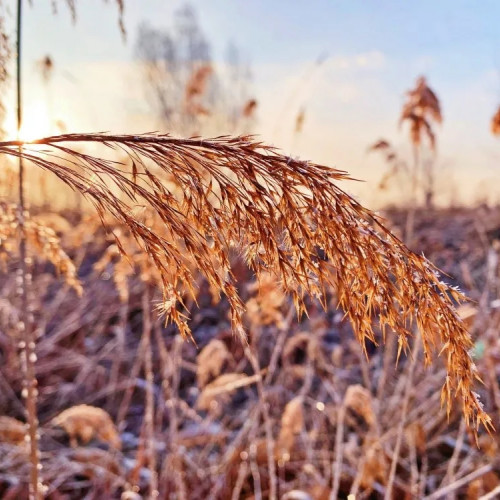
(36, 122)
(35, 125)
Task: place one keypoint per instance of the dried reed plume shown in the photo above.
(249, 108)
(288, 217)
(299, 120)
(40, 237)
(420, 109)
(495, 123)
(195, 88)
(46, 67)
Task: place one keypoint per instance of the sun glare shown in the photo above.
(36, 122)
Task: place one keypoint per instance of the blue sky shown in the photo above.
(376, 50)
(453, 31)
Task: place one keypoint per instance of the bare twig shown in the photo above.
(460, 482)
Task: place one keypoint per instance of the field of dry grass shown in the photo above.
(186, 318)
(126, 407)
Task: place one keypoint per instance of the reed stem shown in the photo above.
(26, 324)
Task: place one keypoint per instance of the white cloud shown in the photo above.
(371, 60)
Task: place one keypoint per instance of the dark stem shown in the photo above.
(28, 342)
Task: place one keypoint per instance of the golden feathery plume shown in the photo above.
(288, 217)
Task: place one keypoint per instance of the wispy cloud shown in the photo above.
(371, 60)
(348, 102)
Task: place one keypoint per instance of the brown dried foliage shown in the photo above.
(495, 123)
(359, 400)
(6, 51)
(299, 120)
(395, 163)
(265, 307)
(122, 269)
(420, 109)
(86, 422)
(292, 424)
(195, 88)
(288, 217)
(375, 466)
(219, 392)
(12, 431)
(211, 361)
(41, 238)
(46, 67)
(249, 108)
(93, 461)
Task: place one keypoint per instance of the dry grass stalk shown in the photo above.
(339, 452)
(465, 480)
(71, 4)
(219, 392)
(395, 163)
(97, 465)
(269, 443)
(6, 51)
(289, 218)
(404, 415)
(150, 402)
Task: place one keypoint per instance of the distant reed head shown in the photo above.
(420, 110)
(495, 123)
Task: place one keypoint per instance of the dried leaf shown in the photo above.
(219, 392)
(211, 361)
(292, 424)
(375, 466)
(85, 423)
(359, 400)
(12, 430)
